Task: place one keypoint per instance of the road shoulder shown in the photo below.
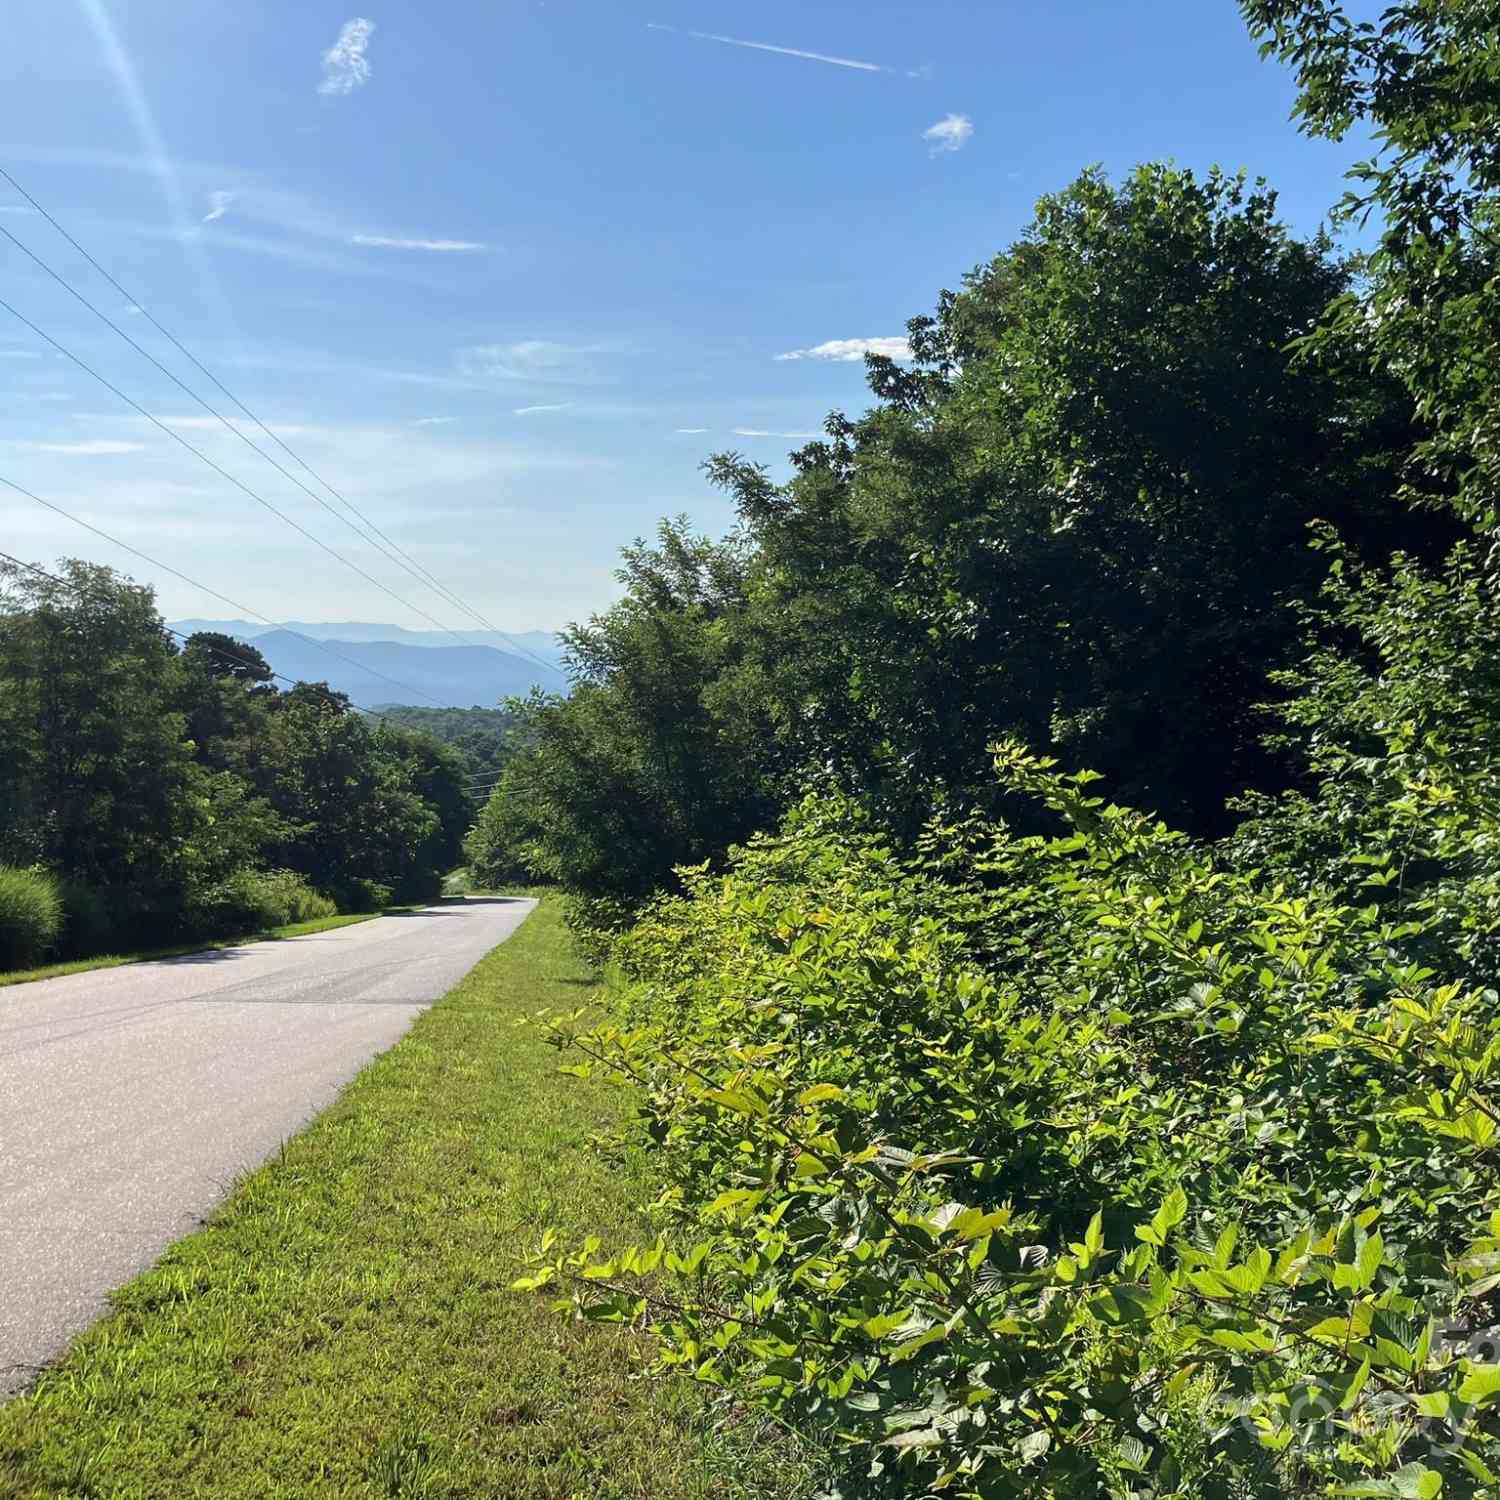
(341, 1326)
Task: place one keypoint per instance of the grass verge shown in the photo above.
(341, 1327)
(118, 960)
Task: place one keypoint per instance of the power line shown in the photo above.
(244, 661)
(214, 593)
(62, 281)
(223, 421)
(218, 468)
(219, 384)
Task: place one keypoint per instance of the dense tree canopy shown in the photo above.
(1080, 514)
(152, 779)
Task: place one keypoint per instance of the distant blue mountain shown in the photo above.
(376, 671)
(541, 643)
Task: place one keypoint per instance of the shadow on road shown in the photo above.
(206, 956)
(484, 900)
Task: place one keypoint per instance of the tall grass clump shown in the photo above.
(31, 916)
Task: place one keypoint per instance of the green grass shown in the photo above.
(342, 1325)
(116, 960)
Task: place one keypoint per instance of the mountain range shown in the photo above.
(383, 664)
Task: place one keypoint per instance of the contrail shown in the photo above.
(734, 41)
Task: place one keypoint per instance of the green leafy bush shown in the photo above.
(252, 900)
(362, 895)
(31, 917)
(1062, 1166)
(496, 848)
(94, 921)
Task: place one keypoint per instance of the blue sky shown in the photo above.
(506, 273)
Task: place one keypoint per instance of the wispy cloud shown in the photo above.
(90, 448)
(734, 41)
(694, 431)
(19, 354)
(389, 242)
(16, 208)
(433, 421)
(528, 411)
(218, 206)
(345, 66)
(528, 359)
(951, 133)
(757, 432)
(852, 349)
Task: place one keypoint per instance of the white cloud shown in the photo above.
(16, 208)
(852, 349)
(345, 67)
(757, 432)
(387, 242)
(91, 448)
(526, 411)
(951, 133)
(433, 421)
(19, 354)
(734, 41)
(132, 310)
(692, 430)
(526, 359)
(218, 206)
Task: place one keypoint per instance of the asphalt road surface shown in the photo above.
(132, 1098)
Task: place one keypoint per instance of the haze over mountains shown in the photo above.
(379, 664)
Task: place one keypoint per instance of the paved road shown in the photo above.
(131, 1098)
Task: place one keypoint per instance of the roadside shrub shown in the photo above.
(253, 900)
(418, 888)
(363, 895)
(498, 850)
(1061, 1167)
(94, 921)
(31, 917)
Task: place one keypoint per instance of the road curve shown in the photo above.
(131, 1098)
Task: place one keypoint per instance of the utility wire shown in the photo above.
(224, 422)
(166, 333)
(244, 661)
(218, 468)
(213, 593)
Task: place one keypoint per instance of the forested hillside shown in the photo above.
(1048, 856)
(483, 737)
(153, 790)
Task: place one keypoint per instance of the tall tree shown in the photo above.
(103, 784)
(1081, 513)
(1425, 79)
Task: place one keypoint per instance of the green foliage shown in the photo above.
(31, 917)
(159, 785)
(663, 754)
(496, 849)
(1423, 81)
(94, 921)
(256, 900)
(1061, 1165)
(1079, 515)
(363, 895)
(484, 737)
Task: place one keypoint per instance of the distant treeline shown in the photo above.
(483, 737)
(161, 791)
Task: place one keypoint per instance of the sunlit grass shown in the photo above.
(342, 1326)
